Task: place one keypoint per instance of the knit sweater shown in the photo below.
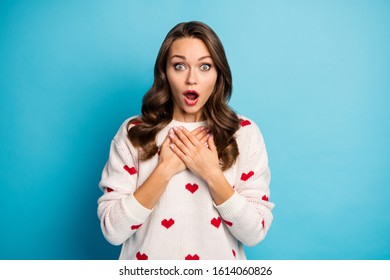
(186, 223)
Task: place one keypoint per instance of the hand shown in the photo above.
(199, 158)
(172, 163)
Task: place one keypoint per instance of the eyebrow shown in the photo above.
(183, 57)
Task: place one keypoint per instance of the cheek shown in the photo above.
(173, 88)
(173, 82)
(211, 83)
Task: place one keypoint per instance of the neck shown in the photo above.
(185, 117)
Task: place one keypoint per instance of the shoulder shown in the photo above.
(250, 140)
(248, 129)
(122, 134)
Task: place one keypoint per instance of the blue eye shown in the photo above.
(205, 67)
(179, 66)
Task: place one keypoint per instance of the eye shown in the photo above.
(179, 66)
(205, 67)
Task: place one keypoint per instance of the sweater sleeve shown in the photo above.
(120, 214)
(248, 212)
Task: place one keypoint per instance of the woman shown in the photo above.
(189, 178)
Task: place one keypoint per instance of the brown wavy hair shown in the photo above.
(157, 104)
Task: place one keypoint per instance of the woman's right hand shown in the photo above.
(168, 165)
(171, 162)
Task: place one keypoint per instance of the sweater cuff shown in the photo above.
(134, 209)
(231, 206)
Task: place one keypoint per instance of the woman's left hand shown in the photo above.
(201, 159)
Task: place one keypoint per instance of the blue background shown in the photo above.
(314, 75)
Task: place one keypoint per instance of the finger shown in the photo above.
(179, 143)
(186, 137)
(166, 142)
(179, 133)
(178, 152)
(210, 142)
(204, 139)
(198, 130)
(200, 134)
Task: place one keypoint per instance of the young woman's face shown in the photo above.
(191, 75)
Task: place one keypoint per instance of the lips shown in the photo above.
(191, 97)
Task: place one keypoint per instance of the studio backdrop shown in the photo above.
(314, 75)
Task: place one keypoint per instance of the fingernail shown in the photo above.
(175, 128)
(181, 128)
(201, 128)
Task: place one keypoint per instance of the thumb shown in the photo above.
(211, 144)
(167, 141)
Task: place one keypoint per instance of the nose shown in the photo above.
(191, 77)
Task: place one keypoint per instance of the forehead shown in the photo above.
(189, 48)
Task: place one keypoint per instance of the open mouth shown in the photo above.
(191, 97)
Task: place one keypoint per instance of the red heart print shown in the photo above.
(140, 256)
(246, 176)
(265, 198)
(109, 189)
(131, 170)
(134, 227)
(234, 253)
(167, 223)
(190, 257)
(262, 223)
(136, 122)
(192, 187)
(216, 222)
(244, 122)
(228, 223)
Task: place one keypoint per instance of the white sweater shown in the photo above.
(186, 223)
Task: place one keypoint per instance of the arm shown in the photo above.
(248, 213)
(123, 207)
(168, 165)
(245, 209)
(119, 212)
(203, 161)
